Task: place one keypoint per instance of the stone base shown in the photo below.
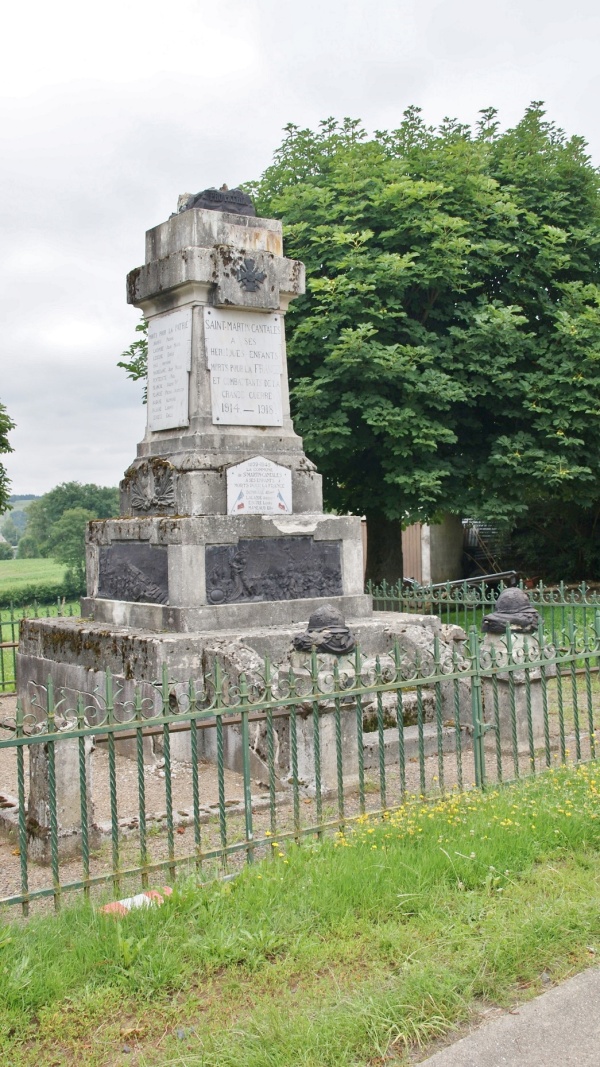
(78, 653)
(224, 618)
(495, 645)
(411, 744)
(521, 717)
(68, 800)
(71, 648)
(222, 571)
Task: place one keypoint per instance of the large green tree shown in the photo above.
(6, 425)
(446, 356)
(44, 517)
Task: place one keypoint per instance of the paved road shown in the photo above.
(560, 1028)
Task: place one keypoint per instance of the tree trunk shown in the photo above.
(384, 548)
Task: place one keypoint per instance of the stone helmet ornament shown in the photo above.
(513, 609)
(326, 632)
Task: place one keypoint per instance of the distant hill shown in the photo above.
(17, 510)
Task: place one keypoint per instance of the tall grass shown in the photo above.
(328, 955)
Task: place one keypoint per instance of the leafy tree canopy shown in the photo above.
(28, 548)
(6, 425)
(97, 501)
(10, 531)
(6, 551)
(446, 355)
(134, 360)
(66, 540)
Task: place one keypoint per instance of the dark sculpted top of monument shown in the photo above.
(232, 200)
(513, 609)
(326, 632)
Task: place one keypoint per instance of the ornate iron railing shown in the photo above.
(241, 763)
(465, 603)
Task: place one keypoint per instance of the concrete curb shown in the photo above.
(560, 1028)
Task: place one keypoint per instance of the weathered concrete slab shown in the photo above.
(560, 1027)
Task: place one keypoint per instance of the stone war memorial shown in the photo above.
(222, 551)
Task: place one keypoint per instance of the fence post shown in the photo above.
(477, 708)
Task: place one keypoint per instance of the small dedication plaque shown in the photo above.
(169, 365)
(259, 487)
(244, 356)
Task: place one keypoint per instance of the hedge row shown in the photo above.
(41, 593)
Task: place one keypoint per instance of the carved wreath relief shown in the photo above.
(152, 489)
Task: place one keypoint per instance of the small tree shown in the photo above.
(28, 547)
(10, 531)
(6, 551)
(66, 543)
(134, 360)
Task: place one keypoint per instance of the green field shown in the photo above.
(18, 573)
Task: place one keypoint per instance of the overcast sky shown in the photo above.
(108, 112)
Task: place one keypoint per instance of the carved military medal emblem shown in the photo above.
(249, 277)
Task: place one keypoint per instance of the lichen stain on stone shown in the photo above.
(132, 284)
(274, 243)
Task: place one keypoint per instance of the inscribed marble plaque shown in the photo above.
(169, 365)
(259, 487)
(244, 356)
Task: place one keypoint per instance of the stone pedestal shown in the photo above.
(526, 685)
(68, 800)
(78, 653)
(221, 525)
(221, 511)
(188, 574)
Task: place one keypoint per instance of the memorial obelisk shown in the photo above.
(222, 519)
(222, 527)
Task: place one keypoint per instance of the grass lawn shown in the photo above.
(350, 952)
(17, 573)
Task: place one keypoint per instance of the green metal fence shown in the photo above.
(10, 619)
(465, 603)
(201, 777)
